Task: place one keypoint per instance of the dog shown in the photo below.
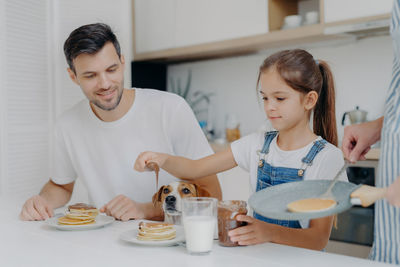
(169, 198)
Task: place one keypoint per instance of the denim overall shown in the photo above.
(268, 175)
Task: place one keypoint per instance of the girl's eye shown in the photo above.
(185, 191)
(280, 98)
(265, 98)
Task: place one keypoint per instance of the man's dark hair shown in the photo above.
(89, 39)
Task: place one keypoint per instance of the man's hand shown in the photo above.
(36, 209)
(358, 139)
(393, 193)
(123, 208)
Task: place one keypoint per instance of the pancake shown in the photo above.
(68, 221)
(311, 205)
(156, 231)
(82, 208)
(79, 214)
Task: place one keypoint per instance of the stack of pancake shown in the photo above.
(79, 214)
(156, 231)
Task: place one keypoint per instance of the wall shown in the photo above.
(362, 70)
(34, 84)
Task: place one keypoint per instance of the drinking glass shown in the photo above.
(199, 216)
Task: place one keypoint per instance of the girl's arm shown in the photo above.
(185, 168)
(315, 237)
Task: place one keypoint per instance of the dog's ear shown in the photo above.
(157, 196)
(201, 192)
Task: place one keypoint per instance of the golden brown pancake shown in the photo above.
(69, 221)
(156, 231)
(82, 208)
(311, 205)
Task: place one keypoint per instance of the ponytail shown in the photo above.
(324, 121)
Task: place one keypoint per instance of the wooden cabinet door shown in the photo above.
(205, 21)
(154, 22)
(339, 10)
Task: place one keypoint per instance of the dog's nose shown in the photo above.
(170, 199)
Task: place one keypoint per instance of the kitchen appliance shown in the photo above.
(356, 116)
(356, 225)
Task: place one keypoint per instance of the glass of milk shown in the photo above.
(199, 216)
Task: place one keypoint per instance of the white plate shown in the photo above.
(130, 236)
(101, 220)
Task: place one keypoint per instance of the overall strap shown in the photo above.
(317, 147)
(269, 136)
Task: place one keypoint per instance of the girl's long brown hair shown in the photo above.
(303, 73)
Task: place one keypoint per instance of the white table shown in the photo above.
(37, 244)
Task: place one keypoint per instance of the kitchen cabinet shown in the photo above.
(341, 10)
(192, 29)
(190, 22)
(154, 25)
(206, 21)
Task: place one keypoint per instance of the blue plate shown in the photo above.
(272, 201)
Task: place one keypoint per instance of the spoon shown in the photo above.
(328, 193)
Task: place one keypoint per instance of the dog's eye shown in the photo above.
(185, 191)
(166, 191)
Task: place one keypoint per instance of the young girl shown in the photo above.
(292, 85)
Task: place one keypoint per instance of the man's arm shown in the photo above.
(52, 196)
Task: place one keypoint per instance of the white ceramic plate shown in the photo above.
(101, 220)
(130, 236)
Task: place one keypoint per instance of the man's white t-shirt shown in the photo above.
(102, 154)
(325, 165)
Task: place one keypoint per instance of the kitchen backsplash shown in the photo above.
(362, 71)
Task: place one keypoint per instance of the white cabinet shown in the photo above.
(164, 24)
(154, 22)
(206, 21)
(339, 10)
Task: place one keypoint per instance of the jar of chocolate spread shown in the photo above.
(227, 212)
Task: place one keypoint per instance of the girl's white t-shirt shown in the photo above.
(325, 165)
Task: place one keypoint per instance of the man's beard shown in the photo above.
(107, 108)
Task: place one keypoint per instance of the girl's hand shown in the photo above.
(255, 232)
(147, 157)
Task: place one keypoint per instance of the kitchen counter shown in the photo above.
(373, 153)
(37, 244)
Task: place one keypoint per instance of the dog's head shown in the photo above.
(169, 196)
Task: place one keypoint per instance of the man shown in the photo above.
(98, 140)
(358, 139)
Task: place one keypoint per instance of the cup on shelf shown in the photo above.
(292, 21)
(311, 17)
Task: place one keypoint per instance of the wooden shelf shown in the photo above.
(304, 34)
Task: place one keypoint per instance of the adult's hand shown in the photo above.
(36, 209)
(358, 139)
(123, 208)
(393, 193)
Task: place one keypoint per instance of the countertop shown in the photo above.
(373, 153)
(37, 244)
